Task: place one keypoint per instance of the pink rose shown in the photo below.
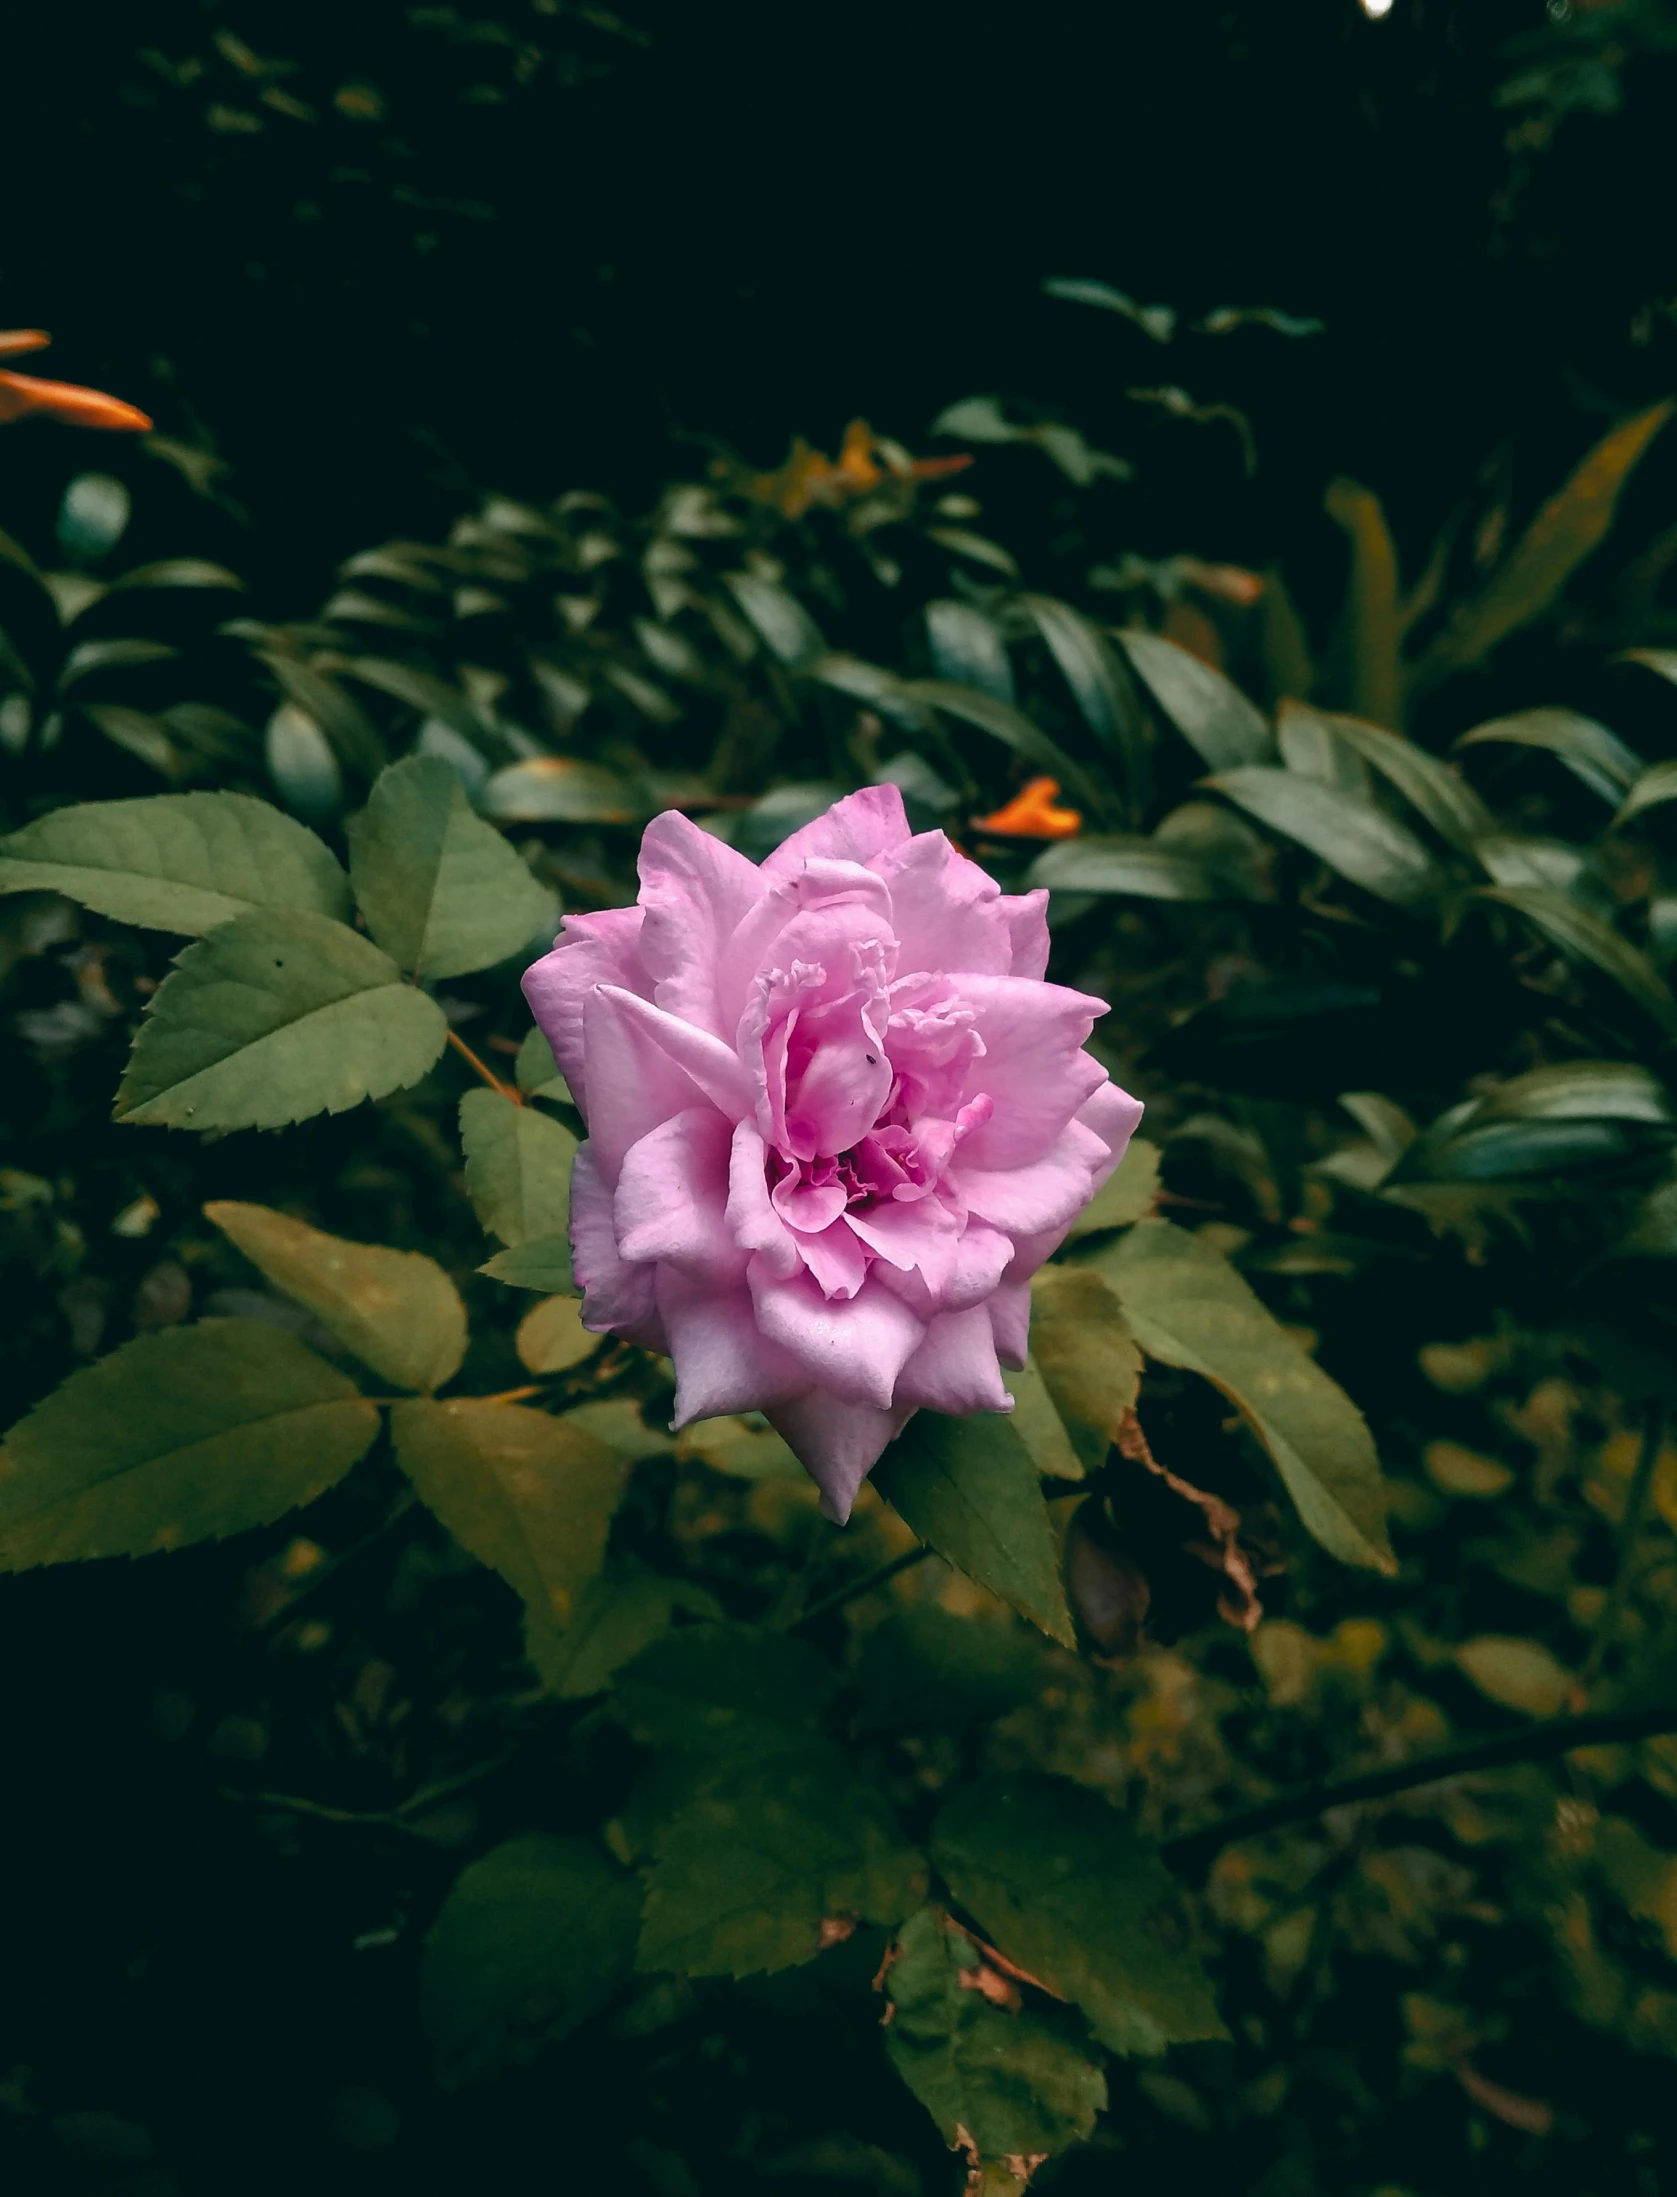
(836, 1120)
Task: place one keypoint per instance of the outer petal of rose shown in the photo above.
(644, 1065)
(696, 892)
(617, 1298)
(1009, 1313)
(1033, 1064)
(723, 1362)
(1046, 1194)
(982, 1255)
(592, 949)
(1027, 923)
(672, 1196)
(854, 1347)
(955, 1368)
(857, 829)
(837, 1444)
(751, 1217)
(1115, 1117)
(945, 910)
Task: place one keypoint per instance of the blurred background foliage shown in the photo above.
(1320, 354)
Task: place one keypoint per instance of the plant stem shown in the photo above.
(482, 1068)
(1637, 1499)
(1194, 1849)
(867, 1584)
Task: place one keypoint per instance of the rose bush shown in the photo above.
(836, 1120)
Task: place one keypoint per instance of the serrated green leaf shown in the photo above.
(1066, 1889)
(1598, 758)
(1569, 526)
(1352, 836)
(188, 1435)
(518, 1172)
(1127, 1193)
(747, 1872)
(527, 1494)
(536, 1072)
(1008, 2086)
(1086, 1354)
(396, 1310)
(614, 1616)
(1222, 727)
(176, 862)
(544, 1264)
(968, 1489)
(441, 890)
(1188, 1307)
(1585, 936)
(1102, 690)
(272, 1018)
(531, 1942)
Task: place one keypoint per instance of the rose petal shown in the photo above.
(946, 911)
(751, 1218)
(644, 1066)
(1114, 1117)
(982, 1255)
(955, 1368)
(1045, 1194)
(672, 1196)
(696, 892)
(591, 950)
(856, 829)
(855, 1347)
(617, 1298)
(836, 1259)
(1033, 1065)
(723, 1362)
(1027, 923)
(837, 1444)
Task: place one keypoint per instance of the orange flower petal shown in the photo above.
(15, 341)
(1031, 814)
(939, 469)
(63, 400)
(856, 470)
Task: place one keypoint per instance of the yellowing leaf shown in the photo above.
(552, 1336)
(1520, 1674)
(1086, 1354)
(396, 1310)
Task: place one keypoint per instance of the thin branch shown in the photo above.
(1603, 1728)
(482, 1068)
(1637, 1500)
(867, 1584)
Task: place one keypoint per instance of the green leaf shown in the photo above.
(531, 1942)
(1141, 868)
(396, 1310)
(1656, 784)
(518, 1170)
(1188, 1307)
(94, 656)
(1310, 745)
(968, 648)
(1569, 526)
(187, 1435)
(614, 1616)
(1371, 602)
(432, 697)
(1066, 1889)
(559, 789)
(1595, 756)
(441, 890)
(176, 862)
(1086, 1355)
(726, 1690)
(1585, 936)
(960, 541)
(924, 1670)
(274, 1017)
(1127, 1193)
(544, 1264)
(1103, 691)
(346, 725)
(1518, 1674)
(527, 1494)
(1438, 794)
(749, 1870)
(1006, 2086)
(968, 1489)
(781, 621)
(1015, 730)
(1575, 1090)
(1039, 1425)
(139, 734)
(536, 1072)
(180, 572)
(1353, 837)
(551, 1336)
(1222, 727)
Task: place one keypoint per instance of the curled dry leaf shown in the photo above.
(1238, 1604)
